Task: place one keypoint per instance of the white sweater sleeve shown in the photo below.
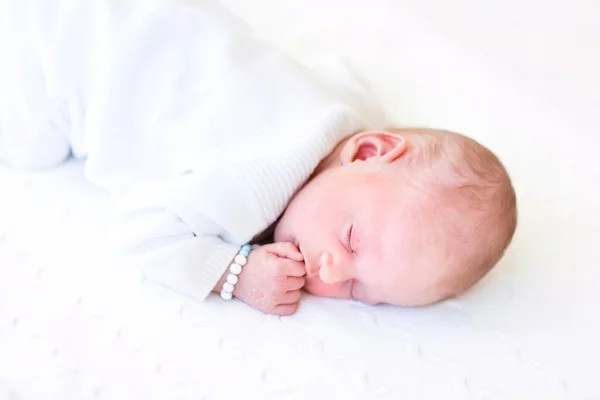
(171, 254)
(184, 233)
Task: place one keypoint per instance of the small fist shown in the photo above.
(272, 279)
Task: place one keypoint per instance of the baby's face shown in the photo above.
(360, 240)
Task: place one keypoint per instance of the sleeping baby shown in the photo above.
(239, 171)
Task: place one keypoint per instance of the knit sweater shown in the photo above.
(201, 130)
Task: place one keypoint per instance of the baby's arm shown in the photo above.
(191, 257)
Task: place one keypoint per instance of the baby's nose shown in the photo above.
(326, 260)
(328, 272)
(313, 269)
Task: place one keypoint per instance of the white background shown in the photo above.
(521, 77)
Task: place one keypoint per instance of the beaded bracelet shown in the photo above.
(234, 270)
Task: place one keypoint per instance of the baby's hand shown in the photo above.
(272, 278)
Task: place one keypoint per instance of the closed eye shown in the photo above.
(347, 241)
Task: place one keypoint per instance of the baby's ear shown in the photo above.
(378, 147)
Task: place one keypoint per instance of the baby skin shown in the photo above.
(407, 217)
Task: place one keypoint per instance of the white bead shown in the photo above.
(228, 287)
(240, 259)
(226, 295)
(233, 279)
(235, 268)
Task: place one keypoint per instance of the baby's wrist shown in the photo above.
(226, 284)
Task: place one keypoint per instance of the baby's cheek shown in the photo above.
(316, 287)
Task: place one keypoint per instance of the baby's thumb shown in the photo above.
(286, 250)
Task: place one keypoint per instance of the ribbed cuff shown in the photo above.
(215, 267)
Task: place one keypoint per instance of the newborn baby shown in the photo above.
(212, 140)
(403, 216)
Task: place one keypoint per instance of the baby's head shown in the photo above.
(406, 217)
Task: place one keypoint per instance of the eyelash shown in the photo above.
(348, 239)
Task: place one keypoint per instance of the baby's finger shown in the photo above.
(291, 297)
(286, 250)
(294, 269)
(294, 283)
(285, 309)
